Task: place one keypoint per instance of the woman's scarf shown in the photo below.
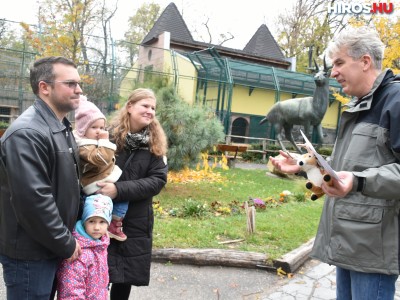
(134, 141)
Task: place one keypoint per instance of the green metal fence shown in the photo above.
(106, 81)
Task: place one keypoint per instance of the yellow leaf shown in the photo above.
(279, 271)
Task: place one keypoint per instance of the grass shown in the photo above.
(201, 214)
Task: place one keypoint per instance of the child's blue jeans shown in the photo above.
(120, 208)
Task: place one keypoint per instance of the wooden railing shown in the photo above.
(264, 141)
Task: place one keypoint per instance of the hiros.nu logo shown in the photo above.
(357, 8)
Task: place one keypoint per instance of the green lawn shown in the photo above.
(204, 214)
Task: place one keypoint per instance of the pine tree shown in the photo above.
(191, 129)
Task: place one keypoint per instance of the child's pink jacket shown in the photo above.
(87, 277)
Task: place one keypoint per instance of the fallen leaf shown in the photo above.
(279, 271)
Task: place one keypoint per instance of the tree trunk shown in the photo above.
(293, 260)
(289, 262)
(211, 257)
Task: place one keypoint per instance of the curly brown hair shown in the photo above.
(120, 125)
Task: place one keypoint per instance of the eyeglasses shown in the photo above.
(71, 84)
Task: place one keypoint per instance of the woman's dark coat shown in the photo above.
(143, 177)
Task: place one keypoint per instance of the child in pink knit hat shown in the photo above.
(97, 158)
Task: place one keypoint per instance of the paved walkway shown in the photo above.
(317, 281)
(313, 281)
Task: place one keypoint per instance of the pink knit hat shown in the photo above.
(85, 115)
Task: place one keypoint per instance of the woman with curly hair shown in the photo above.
(141, 154)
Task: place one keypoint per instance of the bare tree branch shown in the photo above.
(208, 31)
(226, 38)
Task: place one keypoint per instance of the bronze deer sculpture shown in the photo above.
(307, 111)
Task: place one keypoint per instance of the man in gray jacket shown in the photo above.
(359, 226)
(39, 175)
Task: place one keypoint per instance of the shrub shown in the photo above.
(191, 129)
(299, 197)
(4, 125)
(325, 151)
(192, 208)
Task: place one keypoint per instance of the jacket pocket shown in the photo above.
(357, 234)
(364, 136)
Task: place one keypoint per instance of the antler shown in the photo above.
(316, 65)
(326, 68)
(305, 147)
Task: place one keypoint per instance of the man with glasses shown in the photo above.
(70, 83)
(39, 175)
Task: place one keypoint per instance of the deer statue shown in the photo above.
(307, 111)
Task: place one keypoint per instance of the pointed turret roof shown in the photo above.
(255, 51)
(170, 20)
(263, 44)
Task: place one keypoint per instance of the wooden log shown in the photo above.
(251, 218)
(212, 257)
(246, 209)
(293, 260)
(230, 242)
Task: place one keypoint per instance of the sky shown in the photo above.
(241, 18)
